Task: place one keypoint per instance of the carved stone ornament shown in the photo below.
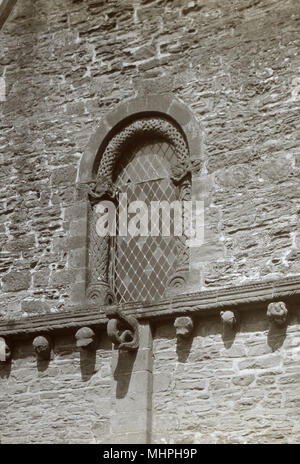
(99, 284)
(5, 352)
(228, 319)
(184, 326)
(85, 338)
(42, 347)
(122, 330)
(183, 168)
(277, 313)
(102, 190)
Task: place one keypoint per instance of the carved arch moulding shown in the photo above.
(158, 116)
(6, 7)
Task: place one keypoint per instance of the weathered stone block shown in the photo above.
(41, 278)
(78, 228)
(161, 382)
(76, 212)
(265, 362)
(63, 176)
(35, 306)
(243, 380)
(15, 281)
(63, 277)
(21, 244)
(129, 423)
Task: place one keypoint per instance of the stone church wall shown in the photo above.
(67, 64)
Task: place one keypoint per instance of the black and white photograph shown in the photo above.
(149, 225)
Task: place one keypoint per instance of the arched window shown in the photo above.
(147, 158)
(141, 266)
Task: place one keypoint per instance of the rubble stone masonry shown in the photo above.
(67, 64)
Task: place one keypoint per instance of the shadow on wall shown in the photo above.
(5, 368)
(276, 336)
(87, 364)
(183, 348)
(254, 321)
(42, 364)
(17, 352)
(123, 372)
(88, 356)
(228, 335)
(183, 345)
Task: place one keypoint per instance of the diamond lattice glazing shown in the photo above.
(141, 266)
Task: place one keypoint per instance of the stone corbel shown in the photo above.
(122, 330)
(5, 351)
(85, 339)
(229, 325)
(277, 313)
(184, 326)
(42, 347)
(228, 319)
(102, 190)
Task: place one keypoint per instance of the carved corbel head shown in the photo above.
(42, 347)
(5, 351)
(102, 190)
(277, 313)
(228, 319)
(184, 326)
(122, 330)
(85, 339)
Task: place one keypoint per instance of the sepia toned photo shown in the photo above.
(149, 224)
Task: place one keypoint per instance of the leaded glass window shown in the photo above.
(140, 266)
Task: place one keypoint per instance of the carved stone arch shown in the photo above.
(6, 7)
(165, 105)
(100, 180)
(146, 124)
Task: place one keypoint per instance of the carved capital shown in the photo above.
(277, 313)
(42, 347)
(122, 330)
(228, 319)
(5, 351)
(178, 280)
(184, 326)
(102, 190)
(100, 294)
(85, 339)
(184, 167)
